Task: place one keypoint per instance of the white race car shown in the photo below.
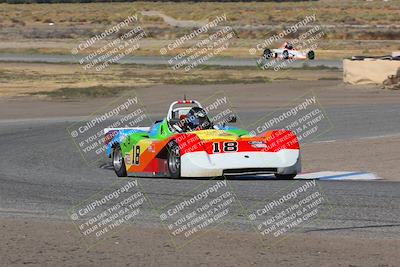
(187, 144)
(287, 51)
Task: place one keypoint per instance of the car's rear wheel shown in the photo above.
(285, 176)
(285, 54)
(267, 54)
(118, 162)
(311, 55)
(174, 160)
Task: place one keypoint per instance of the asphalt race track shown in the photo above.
(43, 175)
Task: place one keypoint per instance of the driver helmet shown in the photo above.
(197, 119)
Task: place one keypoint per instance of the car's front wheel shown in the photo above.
(174, 160)
(285, 54)
(310, 55)
(118, 162)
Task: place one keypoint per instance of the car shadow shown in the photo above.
(271, 177)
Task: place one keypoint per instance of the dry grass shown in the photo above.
(70, 80)
(253, 22)
(254, 13)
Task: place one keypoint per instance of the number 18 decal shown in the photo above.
(225, 147)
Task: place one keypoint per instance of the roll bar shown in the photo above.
(181, 102)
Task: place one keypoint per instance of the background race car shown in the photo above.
(287, 51)
(187, 144)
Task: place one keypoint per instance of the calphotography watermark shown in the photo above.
(108, 211)
(296, 42)
(211, 121)
(110, 46)
(283, 34)
(89, 134)
(304, 119)
(220, 110)
(196, 48)
(200, 210)
(289, 210)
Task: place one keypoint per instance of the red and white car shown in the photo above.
(287, 51)
(187, 143)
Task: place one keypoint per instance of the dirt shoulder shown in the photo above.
(377, 155)
(258, 96)
(40, 243)
(72, 80)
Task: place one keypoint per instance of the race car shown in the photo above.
(187, 143)
(287, 51)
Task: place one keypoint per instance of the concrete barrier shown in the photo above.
(369, 71)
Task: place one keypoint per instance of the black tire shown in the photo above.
(267, 53)
(118, 162)
(285, 54)
(174, 160)
(285, 176)
(310, 55)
